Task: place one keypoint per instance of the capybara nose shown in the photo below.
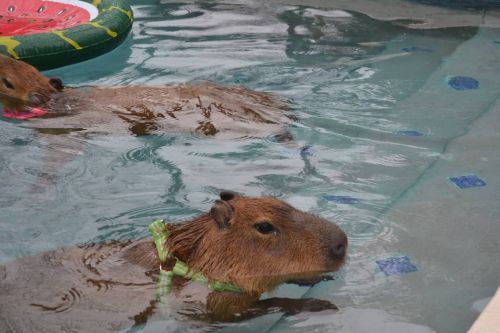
(339, 247)
(36, 99)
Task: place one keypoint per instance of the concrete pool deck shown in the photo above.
(416, 15)
(489, 320)
(425, 16)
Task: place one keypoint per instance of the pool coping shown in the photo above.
(489, 320)
(426, 16)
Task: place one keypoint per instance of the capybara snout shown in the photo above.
(336, 242)
(259, 243)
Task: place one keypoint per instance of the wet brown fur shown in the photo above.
(25, 79)
(204, 108)
(240, 254)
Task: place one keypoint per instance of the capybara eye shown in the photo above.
(265, 227)
(7, 84)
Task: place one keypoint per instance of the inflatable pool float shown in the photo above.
(54, 33)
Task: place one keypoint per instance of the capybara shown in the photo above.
(64, 118)
(202, 108)
(253, 243)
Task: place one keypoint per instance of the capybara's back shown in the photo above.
(202, 108)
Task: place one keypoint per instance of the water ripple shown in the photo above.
(63, 302)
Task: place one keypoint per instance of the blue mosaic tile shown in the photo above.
(416, 49)
(396, 265)
(410, 133)
(468, 181)
(341, 199)
(463, 83)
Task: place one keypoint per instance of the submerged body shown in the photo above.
(110, 287)
(203, 108)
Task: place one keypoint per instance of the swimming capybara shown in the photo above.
(64, 118)
(253, 243)
(202, 108)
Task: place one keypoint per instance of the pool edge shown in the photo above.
(488, 321)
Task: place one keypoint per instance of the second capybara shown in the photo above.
(253, 243)
(202, 108)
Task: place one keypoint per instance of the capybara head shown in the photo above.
(258, 243)
(22, 85)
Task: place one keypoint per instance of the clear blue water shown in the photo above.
(385, 132)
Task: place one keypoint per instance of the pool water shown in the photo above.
(397, 142)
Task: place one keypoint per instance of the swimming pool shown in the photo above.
(396, 144)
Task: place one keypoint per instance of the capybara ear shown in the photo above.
(228, 195)
(56, 83)
(222, 212)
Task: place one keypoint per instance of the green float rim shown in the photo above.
(59, 48)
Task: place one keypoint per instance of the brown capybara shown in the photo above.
(253, 243)
(202, 108)
(72, 115)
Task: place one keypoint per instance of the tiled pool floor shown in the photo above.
(448, 229)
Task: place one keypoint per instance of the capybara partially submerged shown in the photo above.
(202, 108)
(254, 244)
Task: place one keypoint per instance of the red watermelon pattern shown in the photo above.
(37, 16)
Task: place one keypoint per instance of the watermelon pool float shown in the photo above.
(54, 33)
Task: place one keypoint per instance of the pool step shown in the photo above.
(489, 320)
(448, 232)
